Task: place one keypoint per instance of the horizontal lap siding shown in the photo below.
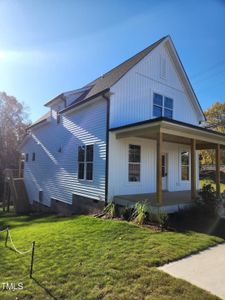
(118, 165)
(56, 173)
(132, 95)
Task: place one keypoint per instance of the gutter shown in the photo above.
(107, 148)
(35, 124)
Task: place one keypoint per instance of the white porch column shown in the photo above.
(159, 167)
(193, 169)
(218, 170)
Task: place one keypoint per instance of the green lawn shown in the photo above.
(88, 258)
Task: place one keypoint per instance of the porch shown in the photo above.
(163, 130)
(171, 201)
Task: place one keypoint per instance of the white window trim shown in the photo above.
(85, 164)
(135, 163)
(163, 106)
(180, 165)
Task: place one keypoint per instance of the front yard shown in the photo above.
(88, 258)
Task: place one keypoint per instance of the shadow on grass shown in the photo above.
(14, 221)
(44, 288)
(185, 222)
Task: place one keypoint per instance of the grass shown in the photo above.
(88, 258)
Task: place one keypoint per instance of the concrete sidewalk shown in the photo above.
(205, 270)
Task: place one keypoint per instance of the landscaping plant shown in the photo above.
(209, 199)
(110, 210)
(141, 212)
(163, 219)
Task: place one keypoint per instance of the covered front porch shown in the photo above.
(171, 201)
(163, 130)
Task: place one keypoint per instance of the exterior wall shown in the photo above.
(57, 107)
(132, 98)
(118, 166)
(56, 173)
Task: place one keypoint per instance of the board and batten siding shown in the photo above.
(118, 166)
(132, 96)
(56, 173)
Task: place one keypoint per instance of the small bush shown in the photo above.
(163, 219)
(141, 211)
(209, 199)
(126, 213)
(110, 210)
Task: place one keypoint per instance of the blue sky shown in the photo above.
(48, 47)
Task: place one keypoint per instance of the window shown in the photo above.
(89, 162)
(134, 168)
(85, 162)
(27, 157)
(168, 107)
(184, 165)
(33, 156)
(162, 106)
(157, 105)
(81, 161)
(58, 118)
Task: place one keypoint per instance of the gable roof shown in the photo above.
(110, 78)
(41, 119)
(106, 81)
(103, 83)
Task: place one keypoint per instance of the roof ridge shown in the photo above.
(150, 47)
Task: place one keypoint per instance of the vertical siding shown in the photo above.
(132, 94)
(56, 173)
(118, 166)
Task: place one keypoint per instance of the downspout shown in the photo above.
(107, 147)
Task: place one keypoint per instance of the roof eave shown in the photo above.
(83, 101)
(57, 98)
(187, 78)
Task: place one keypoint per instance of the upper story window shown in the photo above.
(27, 157)
(134, 168)
(185, 165)
(33, 156)
(162, 106)
(58, 117)
(85, 162)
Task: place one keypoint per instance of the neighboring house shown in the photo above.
(131, 134)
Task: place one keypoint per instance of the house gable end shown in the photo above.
(132, 95)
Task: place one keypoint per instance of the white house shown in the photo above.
(130, 135)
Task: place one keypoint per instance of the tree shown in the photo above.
(215, 116)
(13, 123)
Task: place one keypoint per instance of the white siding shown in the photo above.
(57, 107)
(118, 166)
(133, 93)
(56, 173)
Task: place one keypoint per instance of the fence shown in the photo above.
(31, 250)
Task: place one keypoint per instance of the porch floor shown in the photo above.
(172, 201)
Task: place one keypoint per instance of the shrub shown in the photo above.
(209, 199)
(163, 219)
(141, 211)
(110, 210)
(126, 213)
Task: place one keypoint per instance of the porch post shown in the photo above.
(218, 170)
(20, 163)
(193, 169)
(159, 167)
